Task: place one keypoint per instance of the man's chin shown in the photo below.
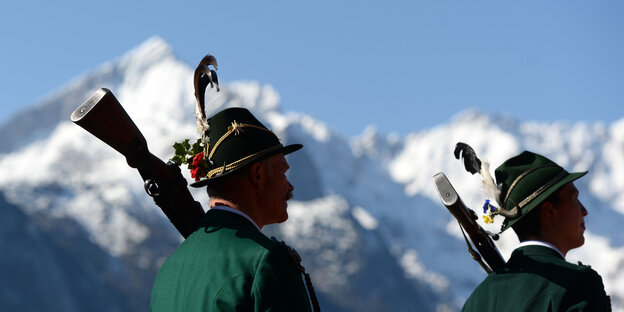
(283, 217)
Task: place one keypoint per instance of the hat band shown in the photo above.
(235, 129)
(537, 192)
(241, 161)
(520, 177)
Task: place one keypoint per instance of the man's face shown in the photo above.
(277, 190)
(570, 224)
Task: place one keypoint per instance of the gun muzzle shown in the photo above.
(103, 116)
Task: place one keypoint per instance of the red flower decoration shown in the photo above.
(197, 159)
(196, 173)
(192, 155)
(196, 167)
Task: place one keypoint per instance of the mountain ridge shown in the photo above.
(365, 211)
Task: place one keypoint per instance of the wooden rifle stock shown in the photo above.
(104, 117)
(487, 255)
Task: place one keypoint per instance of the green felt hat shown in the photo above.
(235, 139)
(526, 181)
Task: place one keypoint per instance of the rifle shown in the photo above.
(103, 116)
(487, 255)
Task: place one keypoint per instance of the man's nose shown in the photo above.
(583, 210)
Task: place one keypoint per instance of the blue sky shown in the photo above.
(401, 65)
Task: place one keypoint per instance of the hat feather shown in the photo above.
(490, 187)
(473, 164)
(203, 77)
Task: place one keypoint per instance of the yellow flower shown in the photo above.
(488, 219)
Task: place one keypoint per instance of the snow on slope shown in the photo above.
(577, 147)
(92, 175)
(365, 214)
(64, 172)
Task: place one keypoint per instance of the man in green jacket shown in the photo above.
(229, 264)
(542, 207)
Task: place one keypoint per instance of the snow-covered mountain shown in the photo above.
(83, 235)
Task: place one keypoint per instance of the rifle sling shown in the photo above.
(475, 254)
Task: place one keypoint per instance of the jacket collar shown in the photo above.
(238, 212)
(538, 250)
(227, 218)
(541, 243)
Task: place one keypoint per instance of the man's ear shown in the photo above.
(256, 174)
(548, 212)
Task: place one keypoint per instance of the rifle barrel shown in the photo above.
(468, 221)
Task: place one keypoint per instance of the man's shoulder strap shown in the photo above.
(296, 258)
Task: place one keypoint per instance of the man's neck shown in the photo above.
(238, 212)
(237, 207)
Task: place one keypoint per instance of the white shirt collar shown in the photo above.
(540, 243)
(238, 212)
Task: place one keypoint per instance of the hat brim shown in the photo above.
(283, 150)
(540, 198)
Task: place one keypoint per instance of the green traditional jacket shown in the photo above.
(537, 278)
(229, 265)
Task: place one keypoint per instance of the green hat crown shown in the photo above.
(234, 139)
(527, 180)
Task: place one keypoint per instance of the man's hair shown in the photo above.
(222, 187)
(226, 187)
(529, 225)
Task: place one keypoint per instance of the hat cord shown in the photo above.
(520, 177)
(231, 165)
(539, 191)
(235, 128)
